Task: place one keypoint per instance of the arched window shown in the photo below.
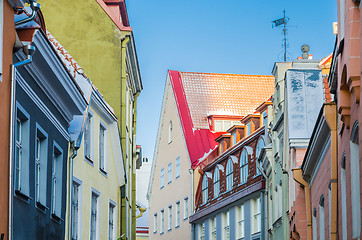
(355, 183)
(229, 175)
(216, 181)
(170, 132)
(243, 166)
(204, 189)
(259, 146)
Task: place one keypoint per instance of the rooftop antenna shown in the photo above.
(283, 22)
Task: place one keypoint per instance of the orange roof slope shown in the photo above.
(224, 94)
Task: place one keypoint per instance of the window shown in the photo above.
(57, 181)
(256, 221)
(244, 166)
(169, 226)
(94, 216)
(162, 222)
(155, 223)
(213, 228)
(204, 190)
(248, 126)
(241, 232)
(22, 134)
(224, 125)
(88, 137)
(259, 146)
(321, 218)
(265, 119)
(170, 132)
(41, 153)
(355, 183)
(177, 217)
(102, 147)
(186, 207)
(178, 167)
(234, 137)
(314, 224)
(75, 209)
(202, 231)
(169, 173)
(343, 196)
(229, 175)
(226, 226)
(216, 180)
(162, 178)
(111, 221)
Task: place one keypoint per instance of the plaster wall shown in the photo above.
(8, 29)
(179, 188)
(89, 175)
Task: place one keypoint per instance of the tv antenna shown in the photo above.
(282, 22)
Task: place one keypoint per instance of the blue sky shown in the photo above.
(229, 36)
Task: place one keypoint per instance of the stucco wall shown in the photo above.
(179, 188)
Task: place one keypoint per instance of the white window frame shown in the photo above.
(314, 224)
(321, 219)
(213, 230)
(186, 208)
(88, 137)
(112, 220)
(95, 235)
(21, 152)
(170, 132)
(244, 166)
(178, 165)
(169, 219)
(76, 209)
(205, 189)
(41, 171)
(155, 223)
(229, 175)
(202, 231)
(162, 222)
(226, 225)
(241, 222)
(169, 173)
(103, 148)
(177, 214)
(162, 178)
(57, 181)
(256, 218)
(216, 182)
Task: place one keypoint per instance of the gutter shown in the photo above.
(29, 50)
(298, 177)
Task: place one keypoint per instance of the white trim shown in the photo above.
(80, 205)
(42, 106)
(98, 194)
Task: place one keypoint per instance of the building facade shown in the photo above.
(45, 101)
(193, 115)
(230, 198)
(113, 67)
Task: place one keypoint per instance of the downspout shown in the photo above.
(35, 7)
(298, 177)
(30, 51)
(70, 185)
(134, 217)
(192, 204)
(330, 113)
(123, 121)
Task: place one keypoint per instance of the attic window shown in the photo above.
(224, 125)
(170, 132)
(265, 118)
(248, 128)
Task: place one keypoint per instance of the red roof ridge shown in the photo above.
(232, 74)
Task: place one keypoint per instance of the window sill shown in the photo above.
(169, 182)
(103, 172)
(185, 219)
(42, 208)
(155, 232)
(162, 187)
(178, 226)
(56, 218)
(177, 177)
(22, 196)
(169, 230)
(162, 233)
(89, 161)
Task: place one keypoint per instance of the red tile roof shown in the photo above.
(199, 95)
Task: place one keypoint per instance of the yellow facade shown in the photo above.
(107, 55)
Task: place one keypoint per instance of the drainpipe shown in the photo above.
(298, 177)
(123, 121)
(330, 113)
(29, 50)
(35, 7)
(134, 217)
(192, 203)
(70, 185)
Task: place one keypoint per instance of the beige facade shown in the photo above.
(175, 195)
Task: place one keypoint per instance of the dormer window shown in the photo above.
(259, 146)
(170, 132)
(224, 125)
(265, 119)
(248, 130)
